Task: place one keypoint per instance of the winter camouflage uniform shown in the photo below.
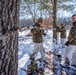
(54, 34)
(63, 35)
(55, 31)
(63, 38)
(37, 33)
(57, 28)
(37, 36)
(72, 35)
(63, 32)
(71, 48)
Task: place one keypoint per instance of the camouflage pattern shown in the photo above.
(55, 30)
(37, 32)
(72, 34)
(54, 34)
(63, 32)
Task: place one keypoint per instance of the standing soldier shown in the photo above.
(56, 31)
(37, 35)
(63, 35)
(71, 43)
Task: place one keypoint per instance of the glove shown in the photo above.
(67, 43)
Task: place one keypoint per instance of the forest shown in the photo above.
(63, 11)
(17, 18)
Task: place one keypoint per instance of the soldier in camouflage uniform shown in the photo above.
(63, 35)
(37, 36)
(56, 31)
(71, 43)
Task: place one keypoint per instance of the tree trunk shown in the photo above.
(54, 12)
(9, 15)
(54, 19)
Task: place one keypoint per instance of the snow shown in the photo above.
(26, 47)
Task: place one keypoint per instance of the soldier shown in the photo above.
(71, 43)
(56, 31)
(63, 35)
(37, 35)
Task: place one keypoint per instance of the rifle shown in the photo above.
(73, 39)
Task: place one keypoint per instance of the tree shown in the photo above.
(31, 3)
(41, 6)
(54, 3)
(9, 15)
(67, 5)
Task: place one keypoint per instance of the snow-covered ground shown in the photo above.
(26, 47)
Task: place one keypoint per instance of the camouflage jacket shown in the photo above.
(54, 34)
(55, 30)
(37, 32)
(72, 34)
(63, 32)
